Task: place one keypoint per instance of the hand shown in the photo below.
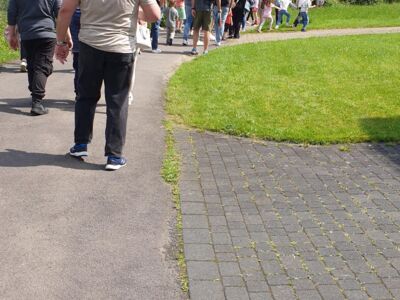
(11, 36)
(61, 53)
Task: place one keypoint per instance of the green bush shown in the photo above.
(3, 4)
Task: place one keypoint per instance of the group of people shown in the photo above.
(226, 17)
(105, 50)
(106, 54)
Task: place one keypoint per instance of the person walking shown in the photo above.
(220, 19)
(36, 27)
(74, 28)
(238, 15)
(201, 12)
(171, 17)
(107, 43)
(155, 30)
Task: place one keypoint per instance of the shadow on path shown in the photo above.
(20, 159)
(21, 106)
(386, 133)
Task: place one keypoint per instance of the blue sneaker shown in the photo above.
(115, 163)
(79, 150)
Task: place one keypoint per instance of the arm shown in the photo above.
(219, 5)
(11, 29)
(292, 5)
(63, 36)
(194, 8)
(149, 12)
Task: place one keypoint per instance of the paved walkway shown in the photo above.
(70, 230)
(279, 221)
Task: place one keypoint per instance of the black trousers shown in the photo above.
(75, 65)
(115, 69)
(39, 56)
(237, 17)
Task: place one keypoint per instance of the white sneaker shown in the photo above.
(23, 66)
(158, 50)
(185, 43)
(212, 37)
(200, 43)
(218, 44)
(277, 27)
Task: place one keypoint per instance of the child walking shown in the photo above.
(284, 5)
(171, 15)
(304, 6)
(266, 14)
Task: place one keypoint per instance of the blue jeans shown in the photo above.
(304, 20)
(281, 13)
(188, 22)
(219, 30)
(155, 29)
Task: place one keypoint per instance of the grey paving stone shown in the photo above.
(283, 292)
(330, 292)
(378, 291)
(194, 221)
(257, 286)
(260, 296)
(233, 281)
(236, 293)
(196, 236)
(202, 270)
(206, 290)
(199, 252)
(221, 239)
(308, 295)
(313, 243)
(193, 208)
(229, 269)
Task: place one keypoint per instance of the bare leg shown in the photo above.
(206, 38)
(195, 38)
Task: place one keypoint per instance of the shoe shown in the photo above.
(200, 43)
(205, 52)
(185, 43)
(211, 37)
(194, 51)
(38, 109)
(277, 27)
(259, 30)
(23, 67)
(158, 50)
(79, 150)
(218, 44)
(303, 30)
(115, 163)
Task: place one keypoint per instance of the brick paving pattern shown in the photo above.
(281, 221)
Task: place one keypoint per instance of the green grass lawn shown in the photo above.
(350, 16)
(320, 90)
(6, 53)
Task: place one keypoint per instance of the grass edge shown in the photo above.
(170, 173)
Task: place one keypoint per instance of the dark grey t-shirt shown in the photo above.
(203, 5)
(35, 18)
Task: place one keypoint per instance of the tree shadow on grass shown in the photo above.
(385, 133)
(20, 159)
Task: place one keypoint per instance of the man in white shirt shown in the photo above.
(107, 43)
